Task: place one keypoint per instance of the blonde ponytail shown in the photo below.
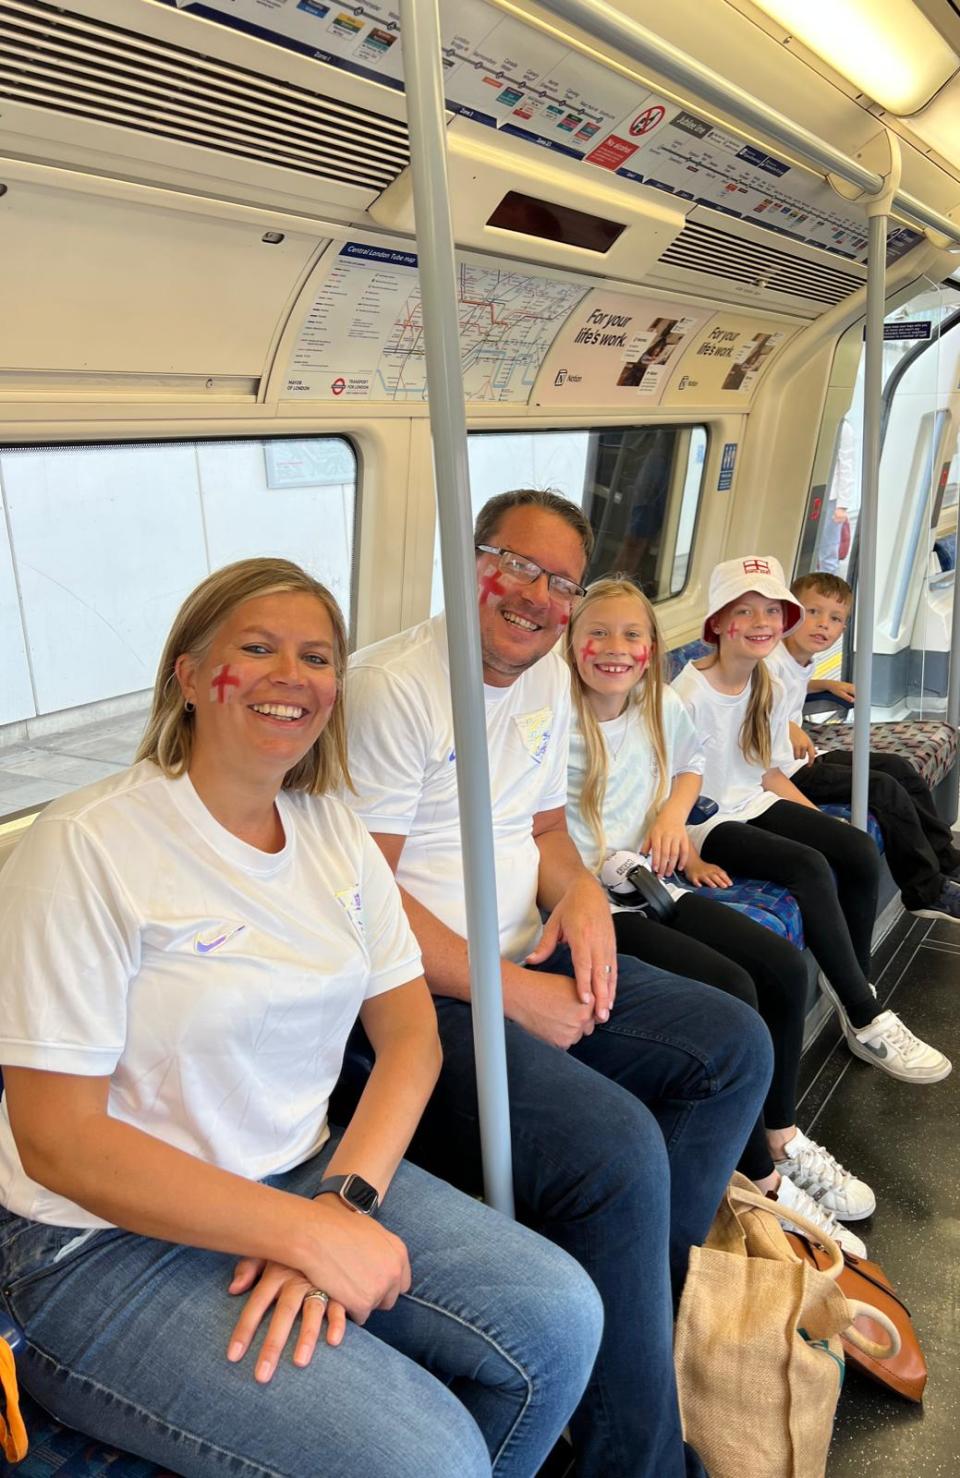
(755, 742)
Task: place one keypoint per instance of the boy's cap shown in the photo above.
(762, 573)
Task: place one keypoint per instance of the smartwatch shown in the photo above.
(353, 1191)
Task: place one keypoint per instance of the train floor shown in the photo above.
(905, 1142)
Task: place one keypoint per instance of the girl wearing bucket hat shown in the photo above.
(765, 828)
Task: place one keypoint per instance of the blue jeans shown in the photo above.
(475, 1370)
(622, 1149)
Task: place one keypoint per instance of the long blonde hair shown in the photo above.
(169, 737)
(756, 745)
(646, 695)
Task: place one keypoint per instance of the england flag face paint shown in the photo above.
(491, 585)
(223, 683)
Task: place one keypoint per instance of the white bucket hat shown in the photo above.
(762, 573)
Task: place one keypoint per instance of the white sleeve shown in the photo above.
(72, 947)
(684, 749)
(394, 954)
(387, 750)
(781, 746)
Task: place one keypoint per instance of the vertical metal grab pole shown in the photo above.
(953, 683)
(426, 119)
(867, 532)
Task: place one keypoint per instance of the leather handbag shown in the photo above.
(905, 1372)
(757, 1352)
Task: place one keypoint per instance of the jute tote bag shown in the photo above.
(758, 1356)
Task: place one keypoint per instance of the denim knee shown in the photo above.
(741, 1044)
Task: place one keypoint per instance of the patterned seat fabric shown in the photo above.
(766, 903)
(929, 744)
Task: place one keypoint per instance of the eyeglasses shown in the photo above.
(525, 572)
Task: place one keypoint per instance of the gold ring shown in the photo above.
(317, 1293)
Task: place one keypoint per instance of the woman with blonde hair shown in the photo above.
(189, 944)
(634, 773)
(766, 828)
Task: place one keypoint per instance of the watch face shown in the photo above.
(361, 1194)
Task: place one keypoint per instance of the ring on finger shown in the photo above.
(607, 969)
(319, 1294)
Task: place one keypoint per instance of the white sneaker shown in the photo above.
(815, 1171)
(894, 1049)
(792, 1198)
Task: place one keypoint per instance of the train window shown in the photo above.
(640, 487)
(99, 545)
(917, 529)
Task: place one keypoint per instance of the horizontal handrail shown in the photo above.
(601, 22)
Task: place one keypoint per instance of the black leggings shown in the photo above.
(796, 847)
(706, 940)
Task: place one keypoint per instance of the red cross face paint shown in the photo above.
(221, 684)
(491, 585)
(733, 630)
(588, 650)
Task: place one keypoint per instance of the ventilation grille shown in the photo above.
(89, 69)
(701, 248)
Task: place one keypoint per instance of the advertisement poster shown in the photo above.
(725, 361)
(363, 336)
(617, 350)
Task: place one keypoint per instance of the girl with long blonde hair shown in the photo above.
(634, 773)
(766, 828)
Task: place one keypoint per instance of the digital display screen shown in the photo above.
(530, 217)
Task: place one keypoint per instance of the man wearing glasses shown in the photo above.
(632, 1091)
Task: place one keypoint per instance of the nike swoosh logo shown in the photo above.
(878, 1051)
(207, 946)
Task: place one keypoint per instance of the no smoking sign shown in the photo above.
(646, 121)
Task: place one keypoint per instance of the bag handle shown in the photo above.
(744, 1197)
(870, 1346)
(740, 1195)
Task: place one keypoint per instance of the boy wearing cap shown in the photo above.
(918, 845)
(766, 828)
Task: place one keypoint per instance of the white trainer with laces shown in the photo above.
(893, 1048)
(792, 1198)
(814, 1170)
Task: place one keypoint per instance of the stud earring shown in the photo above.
(189, 707)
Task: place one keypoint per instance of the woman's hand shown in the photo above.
(666, 843)
(285, 1291)
(352, 1258)
(701, 873)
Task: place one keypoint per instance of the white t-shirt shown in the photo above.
(214, 984)
(783, 665)
(794, 677)
(402, 759)
(729, 779)
(631, 776)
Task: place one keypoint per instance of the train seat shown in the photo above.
(929, 744)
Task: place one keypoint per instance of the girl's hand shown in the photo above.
(667, 844)
(285, 1291)
(701, 873)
